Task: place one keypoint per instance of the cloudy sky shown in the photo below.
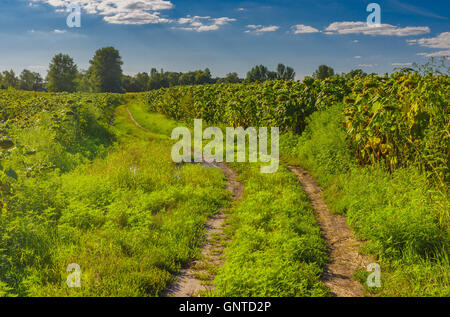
(227, 35)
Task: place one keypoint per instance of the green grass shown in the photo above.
(129, 217)
(274, 245)
(110, 199)
(404, 219)
(155, 122)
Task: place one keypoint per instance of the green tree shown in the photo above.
(9, 79)
(355, 72)
(31, 81)
(260, 73)
(285, 73)
(128, 84)
(203, 77)
(231, 78)
(173, 79)
(62, 74)
(141, 81)
(106, 70)
(187, 79)
(84, 81)
(323, 72)
(158, 80)
(154, 81)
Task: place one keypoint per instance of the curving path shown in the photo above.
(342, 245)
(189, 281)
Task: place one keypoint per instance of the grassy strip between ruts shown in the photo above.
(275, 247)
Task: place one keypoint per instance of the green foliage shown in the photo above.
(323, 72)
(355, 73)
(130, 218)
(55, 130)
(31, 81)
(27, 80)
(261, 73)
(156, 80)
(230, 78)
(401, 120)
(62, 74)
(141, 218)
(8, 80)
(50, 134)
(75, 189)
(285, 73)
(106, 71)
(141, 81)
(285, 104)
(276, 248)
(84, 81)
(323, 146)
(404, 220)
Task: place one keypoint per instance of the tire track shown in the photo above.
(188, 282)
(342, 245)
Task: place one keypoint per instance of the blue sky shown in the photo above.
(226, 36)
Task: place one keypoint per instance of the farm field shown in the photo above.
(220, 157)
(389, 133)
(88, 179)
(122, 211)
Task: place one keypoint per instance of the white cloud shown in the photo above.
(401, 64)
(259, 29)
(304, 29)
(442, 41)
(357, 57)
(202, 24)
(119, 11)
(59, 31)
(436, 54)
(366, 65)
(355, 41)
(382, 29)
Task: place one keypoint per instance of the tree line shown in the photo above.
(105, 75)
(27, 80)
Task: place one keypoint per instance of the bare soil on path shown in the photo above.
(342, 245)
(190, 281)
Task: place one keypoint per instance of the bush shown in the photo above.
(404, 220)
